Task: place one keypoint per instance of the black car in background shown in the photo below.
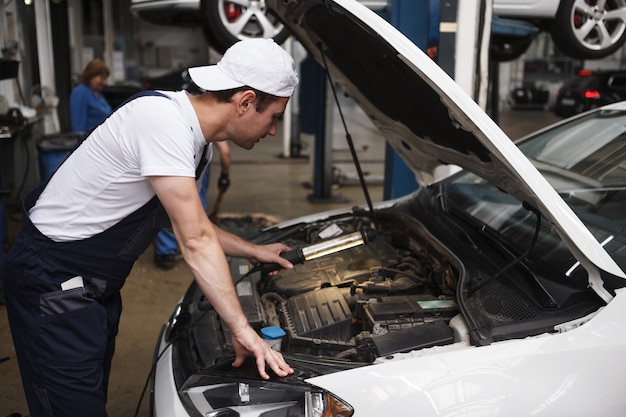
(590, 89)
(173, 80)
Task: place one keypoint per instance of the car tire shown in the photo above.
(225, 24)
(571, 40)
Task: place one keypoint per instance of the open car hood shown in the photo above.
(425, 116)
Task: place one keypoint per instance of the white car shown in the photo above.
(584, 29)
(223, 21)
(498, 291)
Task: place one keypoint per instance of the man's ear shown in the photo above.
(245, 100)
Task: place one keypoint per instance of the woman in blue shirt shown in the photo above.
(88, 107)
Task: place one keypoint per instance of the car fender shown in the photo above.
(568, 373)
(540, 9)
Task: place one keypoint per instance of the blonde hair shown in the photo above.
(94, 68)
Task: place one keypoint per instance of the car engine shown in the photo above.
(394, 294)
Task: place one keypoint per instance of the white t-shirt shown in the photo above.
(105, 178)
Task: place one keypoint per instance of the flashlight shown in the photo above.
(323, 248)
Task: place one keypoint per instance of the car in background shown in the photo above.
(590, 89)
(116, 94)
(498, 290)
(533, 96)
(583, 29)
(510, 38)
(174, 80)
(223, 21)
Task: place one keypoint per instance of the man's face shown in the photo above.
(254, 126)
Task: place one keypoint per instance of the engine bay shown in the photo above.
(393, 294)
(403, 291)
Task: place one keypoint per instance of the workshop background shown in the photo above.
(45, 44)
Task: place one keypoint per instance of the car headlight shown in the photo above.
(221, 397)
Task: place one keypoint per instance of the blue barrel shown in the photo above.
(52, 149)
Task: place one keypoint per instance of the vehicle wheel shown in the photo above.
(231, 21)
(508, 48)
(590, 29)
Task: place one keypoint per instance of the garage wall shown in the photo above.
(161, 49)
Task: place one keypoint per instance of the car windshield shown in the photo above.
(585, 161)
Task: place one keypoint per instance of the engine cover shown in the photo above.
(352, 264)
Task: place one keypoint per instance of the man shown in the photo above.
(84, 229)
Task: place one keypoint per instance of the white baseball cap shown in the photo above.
(258, 63)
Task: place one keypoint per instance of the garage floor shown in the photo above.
(263, 184)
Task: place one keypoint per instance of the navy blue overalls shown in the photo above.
(65, 339)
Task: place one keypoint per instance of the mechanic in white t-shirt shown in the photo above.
(85, 227)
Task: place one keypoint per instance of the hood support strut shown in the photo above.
(355, 158)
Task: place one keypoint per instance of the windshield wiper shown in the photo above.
(544, 297)
(517, 259)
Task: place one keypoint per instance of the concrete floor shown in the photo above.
(262, 182)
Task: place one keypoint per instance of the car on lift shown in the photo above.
(223, 21)
(590, 89)
(497, 290)
(584, 29)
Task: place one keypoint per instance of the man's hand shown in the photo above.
(271, 254)
(247, 342)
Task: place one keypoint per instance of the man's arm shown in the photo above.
(201, 247)
(235, 246)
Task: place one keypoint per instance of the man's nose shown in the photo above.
(272, 130)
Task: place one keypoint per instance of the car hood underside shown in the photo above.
(425, 116)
